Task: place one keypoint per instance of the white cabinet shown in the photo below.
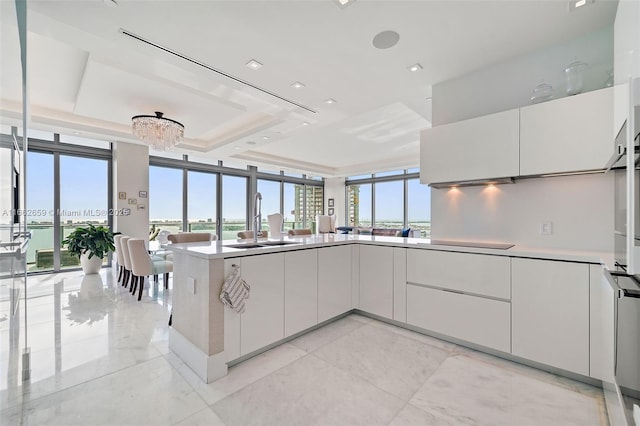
(300, 290)
(376, 280)
(334, 281)
(262, 323)
(475, 274)
(400, 284)
(601, 326)
(550, 313)
(474, 319)
(568, 134)
(479, 148)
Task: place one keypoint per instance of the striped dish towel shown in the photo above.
(235, 291)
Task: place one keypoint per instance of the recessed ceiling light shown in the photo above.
(385, 39)
(253, 64)
(415, 67)
(344, 3)
(297, 85)
(237, 147)
(575, 4)
(330, 101)
(306, 123)
(265, 137)
(250, 143)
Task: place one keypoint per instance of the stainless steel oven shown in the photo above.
(622, 387)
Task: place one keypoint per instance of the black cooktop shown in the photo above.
(475, 244)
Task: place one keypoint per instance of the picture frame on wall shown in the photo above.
(330, 211)
(141, 207)
(122, 195)
(133, 201)
(330, 202)
(142, 194)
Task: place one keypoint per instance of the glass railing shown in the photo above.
(40, 252)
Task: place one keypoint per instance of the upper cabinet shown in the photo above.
(567, 135)
(479, 148)
(571, 134)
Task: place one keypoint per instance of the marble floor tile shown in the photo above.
(98, 356)
(423, 338)
(477, 392)
(413, 416)
(313, 340)
(205, 417)
(150, 393)
(309, 392)
(531, 372)
(240, 375)
(388, 360)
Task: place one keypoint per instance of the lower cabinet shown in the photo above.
(334, 281)
(474, 319)
(262, 323)
(300, 290)
(376, 280)
(550, 313)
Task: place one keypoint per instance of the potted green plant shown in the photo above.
(92, 244)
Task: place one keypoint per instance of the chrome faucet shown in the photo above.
(257, 217)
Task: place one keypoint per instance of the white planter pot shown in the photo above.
(90, 266)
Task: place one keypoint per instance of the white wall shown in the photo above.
(580, 208)
(334, 188)
(627, 41)
(131, 175)
(509, 85)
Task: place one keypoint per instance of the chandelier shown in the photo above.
(160, 133)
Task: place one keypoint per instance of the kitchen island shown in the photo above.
(463, 294)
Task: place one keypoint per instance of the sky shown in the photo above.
(83, 187)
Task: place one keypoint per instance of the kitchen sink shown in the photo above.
(244, 245)
(277, 243)
(260, 244)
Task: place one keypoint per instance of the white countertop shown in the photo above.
(221, 249)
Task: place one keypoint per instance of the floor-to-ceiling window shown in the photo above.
(202, 201)
(359, 204)
(418, 207)
(314, 202)
(394, 199)
(40, 215)
(270, 191)
(389, 204)
(292, 217)
(165, 198)
(234, 206)
(84, 197)
(67, 186)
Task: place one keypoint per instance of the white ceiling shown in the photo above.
(86, 76)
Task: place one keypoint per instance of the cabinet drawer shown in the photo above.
(470, 273)
(486, 322)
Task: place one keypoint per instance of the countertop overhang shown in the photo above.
(222, 249)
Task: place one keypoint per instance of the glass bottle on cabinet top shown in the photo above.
(573, 76)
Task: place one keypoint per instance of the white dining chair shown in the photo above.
(275, 222)
(119, 257)
(248, 234)
(143, 266)
(126, 260)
